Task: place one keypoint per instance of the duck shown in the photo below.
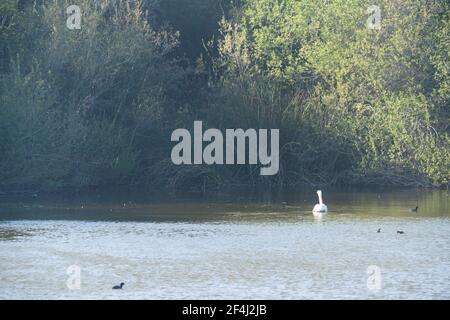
(320, 207)
(414, 209)
(400, 232)
(119, 286)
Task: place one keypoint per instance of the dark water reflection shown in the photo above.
(132, 207)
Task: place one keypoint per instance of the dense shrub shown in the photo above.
(366, 102)
(95, 107)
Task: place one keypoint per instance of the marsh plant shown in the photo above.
(359, 96)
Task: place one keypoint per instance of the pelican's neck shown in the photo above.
(319, 193)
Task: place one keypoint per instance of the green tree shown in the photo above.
(86, 107)
(384, 92)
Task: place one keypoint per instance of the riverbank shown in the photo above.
(204, 191)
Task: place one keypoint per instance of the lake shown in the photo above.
(234, 247)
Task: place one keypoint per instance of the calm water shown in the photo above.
(233, 248)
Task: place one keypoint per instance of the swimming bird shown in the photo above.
(379, 230)
(320, 207)
(414, 209)
(400, 232)
(119, 287)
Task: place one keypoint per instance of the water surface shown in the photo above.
(231, 248)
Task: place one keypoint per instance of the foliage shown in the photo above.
(95, 107)
(382, 93)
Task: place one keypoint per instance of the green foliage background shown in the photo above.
(95, 107)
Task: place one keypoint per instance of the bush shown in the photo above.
(364, 102)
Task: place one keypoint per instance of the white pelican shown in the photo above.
(320, 207)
